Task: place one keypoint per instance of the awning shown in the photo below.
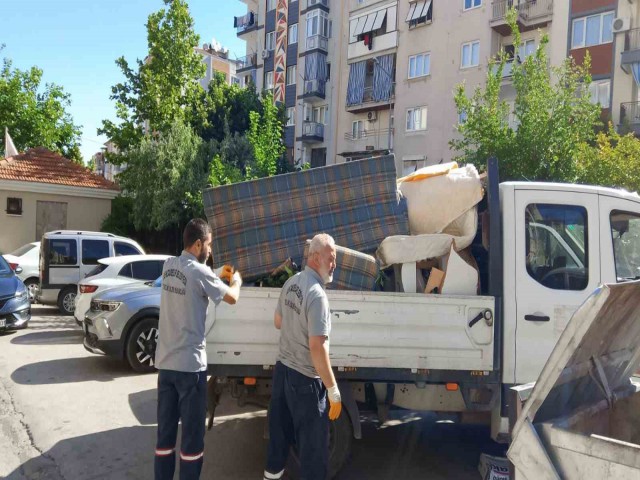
(418, 10)
(360, 26)
(369, 23)
(379, 20)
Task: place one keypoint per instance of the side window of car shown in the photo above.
(126, 271)
(147, 270)
(557, 246)
(94, 250)
(122, 249)
(63, 252)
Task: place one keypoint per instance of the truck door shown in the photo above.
(557, 268)
(619, 239)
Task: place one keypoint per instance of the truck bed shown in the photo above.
(369, 330)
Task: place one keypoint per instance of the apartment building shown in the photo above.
(216, 59)
(291, 48)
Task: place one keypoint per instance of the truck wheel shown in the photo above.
(340, 439)
(32, 285)
(141, 345)
(67, 300)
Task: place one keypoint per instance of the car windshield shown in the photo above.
(22, 250)
(4, 266)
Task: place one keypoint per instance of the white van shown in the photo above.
(68, 256)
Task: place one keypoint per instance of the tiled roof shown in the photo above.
(44, 166)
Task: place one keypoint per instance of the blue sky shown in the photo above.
(76, 43)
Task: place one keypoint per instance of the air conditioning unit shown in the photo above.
(266, 53)
(372, 116)
(621, 24)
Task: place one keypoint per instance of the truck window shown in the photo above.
(625, 232)
(123, 249)
(556, 246)
(94, 250)
(63, 252)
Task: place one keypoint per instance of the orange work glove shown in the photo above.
(335, 402)
(226, 273)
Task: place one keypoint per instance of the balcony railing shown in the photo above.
(317, 41)
(369, 97)
(632, 40)
(314, 88)
(630, 112)
(381, 135)
(246, 22)
(250, 61)
(507, 70)
(528, 10)
(313, 130)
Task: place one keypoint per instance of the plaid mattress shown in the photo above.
(354, 270)
(259, 224)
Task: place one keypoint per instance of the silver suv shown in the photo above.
(123, 322)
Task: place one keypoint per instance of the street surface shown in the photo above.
(66, 414)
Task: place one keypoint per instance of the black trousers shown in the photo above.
(181, 396)
(298, 416)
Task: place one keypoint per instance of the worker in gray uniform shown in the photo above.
(302, 378)
(181, 357)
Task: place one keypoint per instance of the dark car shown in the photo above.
(15, 308)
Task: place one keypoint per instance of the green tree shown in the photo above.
(553, 113)
(614, 161)
(160, 90)
(265, 135)
(36, 117)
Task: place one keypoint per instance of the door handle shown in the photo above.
(537, 318)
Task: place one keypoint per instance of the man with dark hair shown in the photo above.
(181, 357)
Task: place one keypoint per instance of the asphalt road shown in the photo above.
(68, 414)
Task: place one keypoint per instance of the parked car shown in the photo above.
(15, 308)
(123, 323)
(26, 257)
(116, 272)
(67, 256)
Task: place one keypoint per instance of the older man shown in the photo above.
(303, 378)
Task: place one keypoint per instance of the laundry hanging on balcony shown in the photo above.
(635, 71)
(355, 87)
(382, 78)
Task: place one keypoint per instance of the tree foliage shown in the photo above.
(160, 89)
(36, 117)
(265, 134)
(553, 116)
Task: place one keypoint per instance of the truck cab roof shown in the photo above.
(572, 187)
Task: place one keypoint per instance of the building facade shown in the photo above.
(388, 68)
(216, 59)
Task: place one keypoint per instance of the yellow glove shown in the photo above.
(335, 402)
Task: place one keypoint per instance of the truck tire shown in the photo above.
(32, 284)
(67, 299)
(340, 440)
(141, 344)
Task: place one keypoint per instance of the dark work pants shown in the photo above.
(181, 396)
(298, 416)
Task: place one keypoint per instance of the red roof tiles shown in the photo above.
(44, 166)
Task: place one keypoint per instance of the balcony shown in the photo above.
(314, 90)
(377, 140)
(630, 116)
(247, 63)
(311, 4)
(312, 132)
(631, 52)
(319, 42)
(246, 23)
(369, 101)
(507, 71)
(531, 14)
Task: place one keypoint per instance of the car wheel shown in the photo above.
(32, 285)
(141, 345)
(67, 300)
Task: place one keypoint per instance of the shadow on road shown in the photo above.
(71, 370)
(144, 406)
(62, 337)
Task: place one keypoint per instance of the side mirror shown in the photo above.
(18, 270)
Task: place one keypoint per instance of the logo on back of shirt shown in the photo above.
(174, 273)
(297, 291)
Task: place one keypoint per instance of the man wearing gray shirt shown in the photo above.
(302, 378)
(181, 357)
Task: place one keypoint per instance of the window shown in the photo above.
(123, 249)
(416, 119)
(599, 92)
(317, 23)
(410, 165)
(293, 34)
(14, 206)
(419, 65)
(527, 49)
(470, 54)
(271, 5)
(147, 269)
(357, 129)
(63, 252)
(420, 13)
(469, 4)
(94, 250)
(557, 246)
(98, 269)
(291, 116)
(321, 114)
(592, 30)
(625, 232)
(268, 80)
(270, 43)
(291, 75)
(462, 117)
